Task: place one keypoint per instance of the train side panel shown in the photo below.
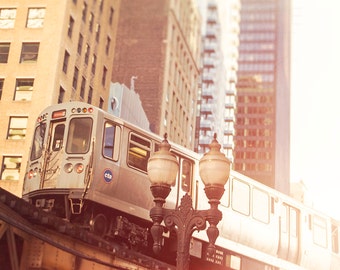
(249, 216)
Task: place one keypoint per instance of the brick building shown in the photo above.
(50, 52)
(158, 42)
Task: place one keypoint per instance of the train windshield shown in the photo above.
(38, 141)
(79, 135)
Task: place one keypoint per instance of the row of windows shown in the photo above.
(29, 52)
(254, 143)
(255, 99)
(255, 132)
(35, 17)
(257, 46)
(249, 201)
(253, 155)
(254, 110)
(101, 5)
(257, 67)
(258, 167)
(263, 121)
(23, 89)
(139, 152)
(256, 57)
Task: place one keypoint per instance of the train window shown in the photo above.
(139, 152)
(79, 135)
(38, 141)
(293, 218)
(335, 238)
(240, 197)
(186, 175)
(260, 205)
(225, 197)
(111, 141)
(58, 137)
(284, 219)
(319, 231)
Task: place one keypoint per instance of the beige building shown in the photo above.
(50, 52)
(159, 42)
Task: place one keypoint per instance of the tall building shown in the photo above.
(50, 52)
(216, 110)
(262, 141)
(159, 42)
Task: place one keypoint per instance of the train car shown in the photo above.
(90, 167)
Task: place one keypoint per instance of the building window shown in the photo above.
(10, 169)
(23, 89)
(70, 27)
(101, 102)
(83, 17)
(4, 52)
(1, 86)
(108, 45)
(17, 128)
(82, 87)
(101, 5)
(61, 95)
(75, 78)
(65, 63)
(7, 17)
(89, 96)
(87, 53)
(104, 76)
(29, 52)
(80, 43)
(35, 17)
(97, 32)
(91, 22)
(94, 62)
(111, 15)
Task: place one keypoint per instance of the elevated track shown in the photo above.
(31, 238)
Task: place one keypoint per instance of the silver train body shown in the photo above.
(89, 166)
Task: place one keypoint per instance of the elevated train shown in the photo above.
(89, 167)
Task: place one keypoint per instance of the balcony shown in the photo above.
(206, 125)
(230, 105)
(229, 118)
(207, 108)
(229, 132)
(207, 93)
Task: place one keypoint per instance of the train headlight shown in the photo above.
(68, 167)
(32, 173)
(79, 168)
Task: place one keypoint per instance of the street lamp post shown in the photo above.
(214, 169)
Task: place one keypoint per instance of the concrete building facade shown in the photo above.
(50, 52)
(159, 42)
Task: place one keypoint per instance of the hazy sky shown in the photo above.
(315, 115)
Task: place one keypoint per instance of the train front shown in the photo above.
(60, 160)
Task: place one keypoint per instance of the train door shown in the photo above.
(289, 234)
(52, 159)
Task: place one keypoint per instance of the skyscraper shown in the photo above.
(50, 52)
(219, 63)
(158, 42)
(262, 141)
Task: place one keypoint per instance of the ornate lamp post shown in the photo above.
(214, 169)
